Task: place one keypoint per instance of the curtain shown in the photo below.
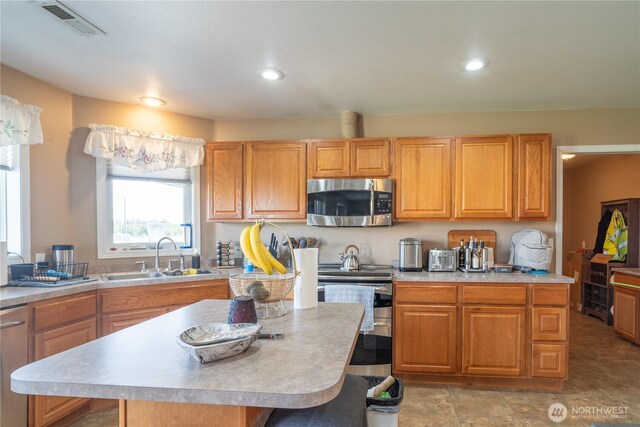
(19, 123)
(144, 151)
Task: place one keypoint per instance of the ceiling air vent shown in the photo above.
(71, 18)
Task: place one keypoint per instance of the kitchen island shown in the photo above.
(155, 380)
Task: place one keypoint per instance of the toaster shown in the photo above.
(443, 260)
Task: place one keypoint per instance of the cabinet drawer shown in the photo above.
(551, 294)
(116, 322)
(549, 361)
(549, 324)
(419, 293)
(139, 297)
(494, 294)
(63, 310)
(59, 339)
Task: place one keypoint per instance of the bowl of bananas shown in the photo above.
(269, 287)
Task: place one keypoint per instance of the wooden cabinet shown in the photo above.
(343, 158)
(423, 175)
(490, 334)
(626, 303)
(484, 177)
(58, 325)
(533, 176)
(124, 307)
(224, 174)
(426, 340)
(275, 181)
(493, 341)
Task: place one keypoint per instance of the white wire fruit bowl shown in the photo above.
(277, 285)
(267, 290)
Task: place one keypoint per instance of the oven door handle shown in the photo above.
(381, 324)
(377, 288)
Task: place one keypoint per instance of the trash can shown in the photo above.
(384, 412)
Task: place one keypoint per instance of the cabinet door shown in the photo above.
(534, 176)
(371, 158)
(549, 361)
(484, 181)
(117, 322)
(425, 339)
(47, 409)
(493, 341)
(329, 159)
(625, 317)
(223, 162)
(549, 323)
(276, 185)
(423, 178)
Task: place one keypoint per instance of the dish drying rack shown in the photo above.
(50, 272)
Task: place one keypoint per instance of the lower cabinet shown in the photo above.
(60, 324)
(123, 307)
(490, 334)
(626, 316)
(493, 341)
(426, 341)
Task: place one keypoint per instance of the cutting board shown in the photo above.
(488, 236)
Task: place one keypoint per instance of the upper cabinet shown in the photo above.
(533, 176)
(224, 180)
(484, 177)
(349, 158)
(275, 180)
(423, 176)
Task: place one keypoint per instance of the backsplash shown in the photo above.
(378, 245)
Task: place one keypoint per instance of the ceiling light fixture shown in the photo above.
(568, 156)
(475, 65)
(152, 101)
(271, 74)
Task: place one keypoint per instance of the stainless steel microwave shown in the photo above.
(349, 202)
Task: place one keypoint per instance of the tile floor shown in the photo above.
(604, 375)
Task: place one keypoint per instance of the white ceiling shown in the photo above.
(386, 57)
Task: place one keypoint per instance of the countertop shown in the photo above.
(631, 271)
(11, 296)
(458, 276)
(144, 362)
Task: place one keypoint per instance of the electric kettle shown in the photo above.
(350, 261)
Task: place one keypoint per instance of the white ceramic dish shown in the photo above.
(205, 353)
(214, 333)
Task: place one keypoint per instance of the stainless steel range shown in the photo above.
(372, 354)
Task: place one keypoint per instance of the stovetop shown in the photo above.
(367, 273)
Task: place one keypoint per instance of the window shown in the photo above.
(136, 209)
(14, 200)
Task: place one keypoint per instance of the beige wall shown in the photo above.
(63, 184)
(63, 178)
(613, 177)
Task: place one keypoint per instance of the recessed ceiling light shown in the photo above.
(152, 101)
(475, 65)
(568, 156)
(271, 74)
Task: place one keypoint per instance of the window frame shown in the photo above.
(24, 214)
(104, 220)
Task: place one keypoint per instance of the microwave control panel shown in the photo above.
(382, 203)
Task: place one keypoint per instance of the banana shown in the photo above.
(277, 265)
(258, 249)
(245, 245)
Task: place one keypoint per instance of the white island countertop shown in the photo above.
(145, 363)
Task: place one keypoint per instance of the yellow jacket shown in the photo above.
(616, 241)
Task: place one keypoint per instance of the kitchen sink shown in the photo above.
(151, 275)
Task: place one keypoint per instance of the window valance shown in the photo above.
(145, 151)
(19, 123)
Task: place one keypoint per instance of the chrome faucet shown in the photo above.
(157, 264)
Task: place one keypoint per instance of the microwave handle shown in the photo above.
(372, 203)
